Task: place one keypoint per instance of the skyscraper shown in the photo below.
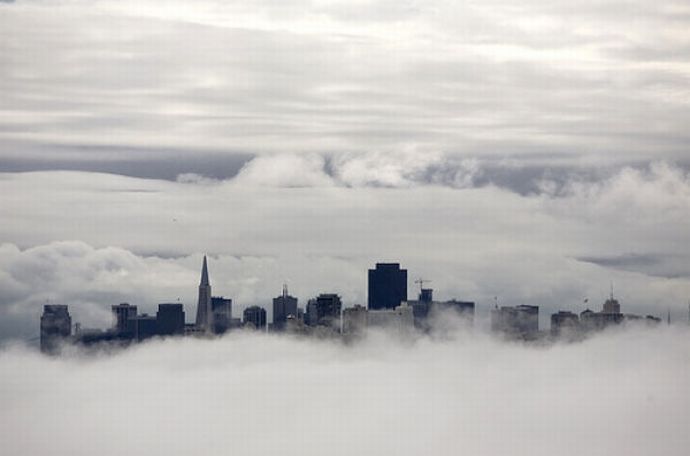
(387, 286)
(221, 317)
(203, 310)
(255, 316)
(283, 306)
(121, 314)
(324, 310)
(170, 319)
(56, 325)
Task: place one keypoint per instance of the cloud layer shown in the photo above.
(117, 83)
(623, 392)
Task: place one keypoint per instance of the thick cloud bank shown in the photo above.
(621, 393)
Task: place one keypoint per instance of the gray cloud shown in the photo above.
(485, 79)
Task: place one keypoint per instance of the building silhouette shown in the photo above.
(611, 306)
(399, 319)
(354, 320)
(56, 327)
(170, 319)
(425, 309)
(204, 311)
(387, 286)
(122, 313)
(221, 314)
(324, 310)
(564, 323)
(283, 306)
(255, 316)
(143, 327)
(520, 321)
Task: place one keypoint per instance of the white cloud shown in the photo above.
(623, 392)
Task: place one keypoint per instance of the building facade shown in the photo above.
(56, 327)
(387, 286)
(283, 306)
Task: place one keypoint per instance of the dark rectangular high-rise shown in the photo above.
(387, 286)
(122, 313)
(283, 306)
(324, 310)
(170, 319)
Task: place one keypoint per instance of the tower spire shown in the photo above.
(204, 274)
(204, 312)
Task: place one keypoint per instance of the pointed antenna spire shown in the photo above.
(285, 290)
(668, 318)
(204, 274)
(611, 290)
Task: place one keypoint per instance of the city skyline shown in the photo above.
(326, 315)
(344, 227)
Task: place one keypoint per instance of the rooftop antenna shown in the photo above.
(611, 290)
(496, 302)
(285, 290)
(668, 317)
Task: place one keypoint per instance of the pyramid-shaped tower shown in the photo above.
(203, 310)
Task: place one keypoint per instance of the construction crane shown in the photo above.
(421, 283)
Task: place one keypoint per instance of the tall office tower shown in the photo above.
(56, 325)
(387, 286)
(170, 319)
(324, 310)
(121, 313)
(203, 309)
(256, 316)
(283, 306)
(221, 317)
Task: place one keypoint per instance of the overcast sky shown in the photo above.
(535, 151)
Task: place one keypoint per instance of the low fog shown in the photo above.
(621, 392)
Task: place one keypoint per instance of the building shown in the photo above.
(519, 321)
(203, 310)
(170, 319)
(56, 327)
(425, 309)
(595, 321)
(324, 310)
(355, 320)
(122, 313)
(143, 327)
(387, 286)
(283, 306)
(564, 323)
(221, 314)
(611, 306)
(255, 316)
(399, 319)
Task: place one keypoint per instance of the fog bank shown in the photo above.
(622, 392)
